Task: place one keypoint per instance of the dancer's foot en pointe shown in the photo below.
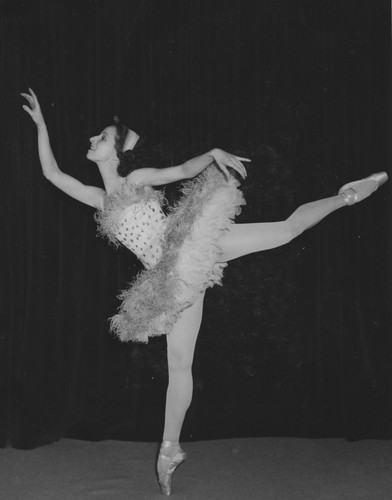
(356, 191)
(170, 457)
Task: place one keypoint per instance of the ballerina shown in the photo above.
(183, 253)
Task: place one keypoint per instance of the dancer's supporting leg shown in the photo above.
(243, 239)
(180, 350)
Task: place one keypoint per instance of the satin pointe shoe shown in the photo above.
(170, 457)
(356, 191)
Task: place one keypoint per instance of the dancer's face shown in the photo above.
(102, 145)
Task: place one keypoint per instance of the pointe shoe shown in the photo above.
(356, 191)
(168, 461)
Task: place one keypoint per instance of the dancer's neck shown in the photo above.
(108, 170)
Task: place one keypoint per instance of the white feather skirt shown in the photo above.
(191, 253)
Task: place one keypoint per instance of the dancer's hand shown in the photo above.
(33, 109)
(226, 160)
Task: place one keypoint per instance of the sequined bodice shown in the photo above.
(140, 229)
(133, 216)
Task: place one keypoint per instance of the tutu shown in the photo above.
(186, 242)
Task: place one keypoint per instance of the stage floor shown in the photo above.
(232, 469)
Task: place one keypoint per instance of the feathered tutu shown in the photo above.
(190, 252)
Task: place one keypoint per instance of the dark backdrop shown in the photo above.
(298, 340)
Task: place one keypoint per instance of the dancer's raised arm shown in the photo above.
(189, 169)
(90, 195)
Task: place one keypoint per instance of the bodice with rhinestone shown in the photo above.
(141, 229)
(133, 216)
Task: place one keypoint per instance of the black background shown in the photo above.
(298, 340)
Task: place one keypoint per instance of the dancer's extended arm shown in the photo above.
(189, 169)
(90, 195)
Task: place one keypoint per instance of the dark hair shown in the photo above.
(132, 158)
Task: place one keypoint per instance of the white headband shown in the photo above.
(130, 140)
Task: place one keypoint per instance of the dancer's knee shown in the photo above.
(286, 233)
(179, 361)
(293, 226)
(278, 234)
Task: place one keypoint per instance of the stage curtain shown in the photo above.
(297, 342)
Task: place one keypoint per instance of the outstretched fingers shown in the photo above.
(236, 164)
(33, 107)
(222, 166)
(33, 94)
(27, 109)
(30, 98)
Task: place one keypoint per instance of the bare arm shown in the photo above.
(189, 169)
(90, 195)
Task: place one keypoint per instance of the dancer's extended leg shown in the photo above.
(243, 239)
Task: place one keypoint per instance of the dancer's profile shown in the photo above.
(184, 252)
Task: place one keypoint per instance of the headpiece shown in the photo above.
(130, 140)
